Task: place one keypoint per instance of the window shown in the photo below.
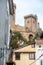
(41, 62)
(27, 21)
(17, 56)
(32, 56)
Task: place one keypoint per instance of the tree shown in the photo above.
(15, 38)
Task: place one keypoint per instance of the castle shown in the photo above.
(31, 25)
(26, 55)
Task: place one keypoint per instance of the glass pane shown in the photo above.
(32, 55)
(41, 62)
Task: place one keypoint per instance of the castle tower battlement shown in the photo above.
(30, 22)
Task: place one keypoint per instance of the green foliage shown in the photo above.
(14, 44)
(17, 36)
(36, 35)
(25, 41)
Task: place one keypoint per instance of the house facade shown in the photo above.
(39, 52)
(24, 55)
(4, 22)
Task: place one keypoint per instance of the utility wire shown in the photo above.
(36, 59)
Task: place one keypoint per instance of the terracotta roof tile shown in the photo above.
(39, 41)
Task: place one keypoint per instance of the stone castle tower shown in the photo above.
(30, 23)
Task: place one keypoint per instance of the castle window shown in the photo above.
(27, 21)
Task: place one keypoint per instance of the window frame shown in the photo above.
(17, 56)
(30, 56)
(41, 62)
(28, 21)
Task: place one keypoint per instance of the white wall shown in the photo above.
(39, 52)
(4, 28)
(4, 23)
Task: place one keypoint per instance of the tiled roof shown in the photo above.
(39, 41)
(26, 48)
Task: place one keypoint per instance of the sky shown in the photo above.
(26, 7)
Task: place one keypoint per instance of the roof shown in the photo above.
(19, 28)
(38, 41)
(27, 48)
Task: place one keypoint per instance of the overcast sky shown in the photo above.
(26, 7)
